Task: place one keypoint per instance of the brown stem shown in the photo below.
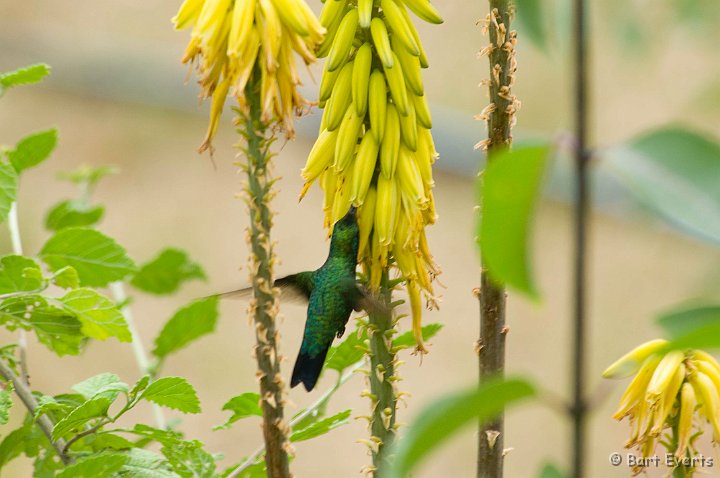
(43, 421)
(264, 306)
(491, 349)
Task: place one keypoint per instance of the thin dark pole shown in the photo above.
(579, 411)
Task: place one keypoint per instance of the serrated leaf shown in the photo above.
(188, 324)
(108, 441)
(8, 189)
(97, 258)
(675, 173)
(66, 278)
(94, 466)
(146, 464)
(78, 418)
(59, 405)
(446, 415)
(57, 329)
(23, 76)
(532, 23)
(165, 273)
(98, 315)
(347, 352)
(73, 213)
(189, 460)
(33, 149)
(173, 392)
(5, 404)
(321, 427)
(510, 189)
(105, 384)
(243, 405)
(19, 274)
(407, 339)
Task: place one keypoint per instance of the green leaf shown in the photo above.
(682, 321)
(321, 427)
(97, 258)
(146, 464)
(256, 470)
(446, 415)
(348, 352)
(139, 386)
(532, 23)
(5, 404)
(189, 460)
(165, 273)
(188, 324)
(105, 384)
(173, 392)
(93, 466)
(88, 175)
(78, 418)
(510, 189)
(407, 339)
(73, 213)
(66, 278)
(33, 149)
(8, 189)
(19, 274)
(244, 405)
(23, 76)
(550, 471)
(675, 173)
(98, 315)
(57, 329)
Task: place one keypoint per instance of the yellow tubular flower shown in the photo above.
(669, 388)
(372, 86)
(233, 39)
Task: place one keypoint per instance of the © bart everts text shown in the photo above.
(670, 460)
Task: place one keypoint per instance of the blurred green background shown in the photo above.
(119, 96)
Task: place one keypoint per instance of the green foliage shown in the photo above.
(188, 324)
(19, 274)
(173, 392)
(674, 172)
(165, 273)
(550, 471)
(23, 76)
(446, 415)
(102, 464)
(531, 20)
(241, 406)
(5, 404)
(348, 352)
(693, 327)
(510, 189)
(321, 427)
(33, 149)
(73, 213)
(98, 315)
(97, 258)
(407, 339)
(8, 189)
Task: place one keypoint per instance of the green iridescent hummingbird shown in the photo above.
(332, 292)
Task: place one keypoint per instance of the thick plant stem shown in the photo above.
(381, 375)
(120, 297)
(582, 207)
(264, 306)
(28, 399)
(491, 346)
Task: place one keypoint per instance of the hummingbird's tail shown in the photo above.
(308, 367)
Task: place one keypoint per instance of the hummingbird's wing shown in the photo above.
(364, 299)
(295, 288)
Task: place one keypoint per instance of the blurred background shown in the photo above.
(119, 96)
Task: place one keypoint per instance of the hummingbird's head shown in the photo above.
(345, 232)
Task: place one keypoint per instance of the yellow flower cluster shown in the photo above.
(375, 149)
(234, 39)
(669, 387)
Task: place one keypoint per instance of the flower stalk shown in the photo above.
(499, 116)
(264, 305)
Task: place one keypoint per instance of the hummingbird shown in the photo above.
(332, 293)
